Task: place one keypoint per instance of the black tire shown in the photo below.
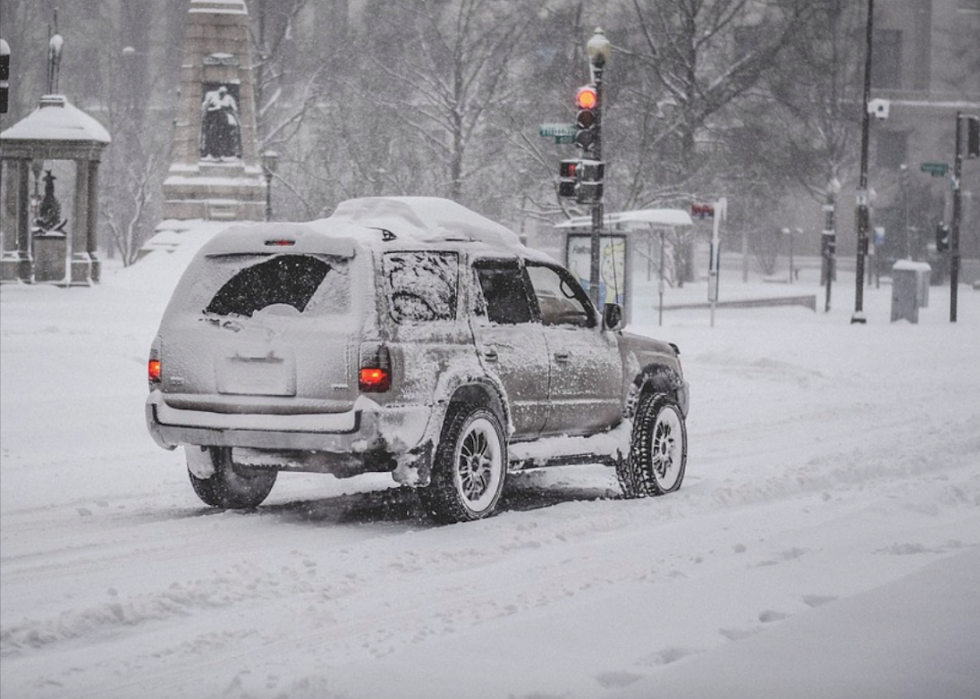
(468, 469)
(658, 448)
(233, 486)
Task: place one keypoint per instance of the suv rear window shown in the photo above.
(421, 285)
(291, 280)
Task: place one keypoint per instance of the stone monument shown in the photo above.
(215, 172)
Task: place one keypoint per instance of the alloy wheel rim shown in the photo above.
(478, 465)
(666, 447)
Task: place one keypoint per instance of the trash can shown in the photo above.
(910, 289)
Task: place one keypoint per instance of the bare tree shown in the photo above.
(819, 91)
(700, 57)
(446, 87)
(129, 39)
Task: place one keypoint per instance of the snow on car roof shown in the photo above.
(281, 237)
(425, 219)
(375, 223)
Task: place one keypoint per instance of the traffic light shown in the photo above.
(587, 119)
(568, 178)
(942, 237)
(590, 174)
(581, 179)
(972, 136)
(4, 75)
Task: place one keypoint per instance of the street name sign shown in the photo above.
(935, 169)
(558, 130)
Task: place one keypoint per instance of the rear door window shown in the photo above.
(421, 285)
(504, 291)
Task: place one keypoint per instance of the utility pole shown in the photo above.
(863, 222)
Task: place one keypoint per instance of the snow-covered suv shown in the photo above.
(408, 335)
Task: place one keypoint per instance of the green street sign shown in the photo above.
(558, 131)
(935, 169)
(564, 139)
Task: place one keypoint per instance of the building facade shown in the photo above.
(926, 64)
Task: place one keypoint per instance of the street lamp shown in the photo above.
(830, 237)
(270, 160)
(598, 50)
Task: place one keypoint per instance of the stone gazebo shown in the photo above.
(56, 130)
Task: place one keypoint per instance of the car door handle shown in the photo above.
(562, 356)
(490, 354)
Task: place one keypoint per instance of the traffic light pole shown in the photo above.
(954, 235)
(596, 248)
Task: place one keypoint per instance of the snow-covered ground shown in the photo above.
(826, 542)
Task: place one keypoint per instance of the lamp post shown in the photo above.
(830, 237)
(598, 50)
(270, 160)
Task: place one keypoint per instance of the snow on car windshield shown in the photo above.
(291, 280)
(421, 285)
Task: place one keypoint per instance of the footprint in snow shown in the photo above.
(617, 678)
(770, 616)
(818, 600)
(738, 634)
(668, 655)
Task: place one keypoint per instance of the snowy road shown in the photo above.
(827, 537)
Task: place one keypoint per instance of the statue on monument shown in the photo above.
(221, 135)
(49, 215)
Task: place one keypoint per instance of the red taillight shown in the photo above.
(375, 380)
(154, 370)
(280, 242)
(375, 369)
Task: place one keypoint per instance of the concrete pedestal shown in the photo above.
(50, 253)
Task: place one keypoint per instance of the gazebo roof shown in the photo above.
(56, 127)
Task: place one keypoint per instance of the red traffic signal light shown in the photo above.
(587, 119)
(568, 174)
(587, 98)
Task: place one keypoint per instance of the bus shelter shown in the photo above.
(630, 241)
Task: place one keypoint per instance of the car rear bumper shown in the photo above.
(358, 434)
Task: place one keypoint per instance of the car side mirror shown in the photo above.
(612, 316)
